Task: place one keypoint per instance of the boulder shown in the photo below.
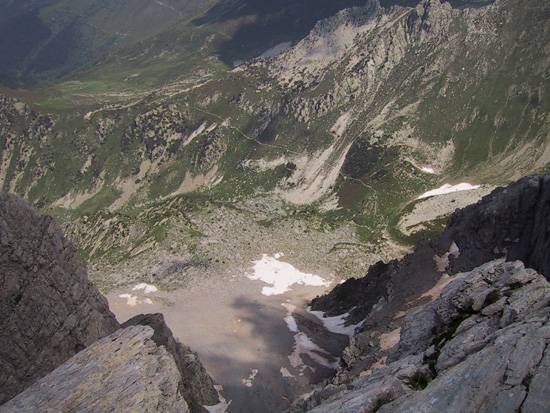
(197, 386)
(123, 372)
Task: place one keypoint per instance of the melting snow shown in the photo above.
(448, 188)
(281, 276)
(249, 381)
(285, 373)
(133, 300)
(290, 321)
(195, 133)
(304, 345)
(222, 406)
(336, 324)
(147, 288)
(427, 169)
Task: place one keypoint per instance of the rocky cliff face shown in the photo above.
(460, 90)
(513, 222)
(482, 346)
(124, 372)
(195, 384)
(510, 222)
(49, 311)
(438, 323)
(51, 315)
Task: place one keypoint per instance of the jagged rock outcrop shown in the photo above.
(124, 372)
(513, 221)
(403, 333)
(50, 314)
(49, 310)
(197, 386)
(510, 222)
(482, 346)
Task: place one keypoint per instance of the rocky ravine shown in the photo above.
(452, 326)
(52, 317)
(429, 339)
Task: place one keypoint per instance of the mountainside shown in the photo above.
(511, 222)
(481, 346)
(50, 311)
(46, 40)
(42, 39)
(455, 313)
(372, 108)
(221, 163)
(470, 341)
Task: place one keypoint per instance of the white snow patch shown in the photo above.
(289, 320)
(448, 188)
(250, 379)
(195, 133)
(147, 288)
(222, 406)
(428, 170)
(336, 324)
(281, 276)
(133, 300)
(304, 345)
(285, 373)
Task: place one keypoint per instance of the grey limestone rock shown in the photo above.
(482, 346)
(197, 386)
(49, 310)
(124, 372)
(51, 317)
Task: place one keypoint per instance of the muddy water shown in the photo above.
(242, 337)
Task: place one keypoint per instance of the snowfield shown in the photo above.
(447, 189)
(336, 324)
(282, 275)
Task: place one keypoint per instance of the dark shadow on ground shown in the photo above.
(258, 25)
(270, 391)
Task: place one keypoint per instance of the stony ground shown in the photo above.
(231, 236)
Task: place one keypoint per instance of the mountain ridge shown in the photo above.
(338, 132)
